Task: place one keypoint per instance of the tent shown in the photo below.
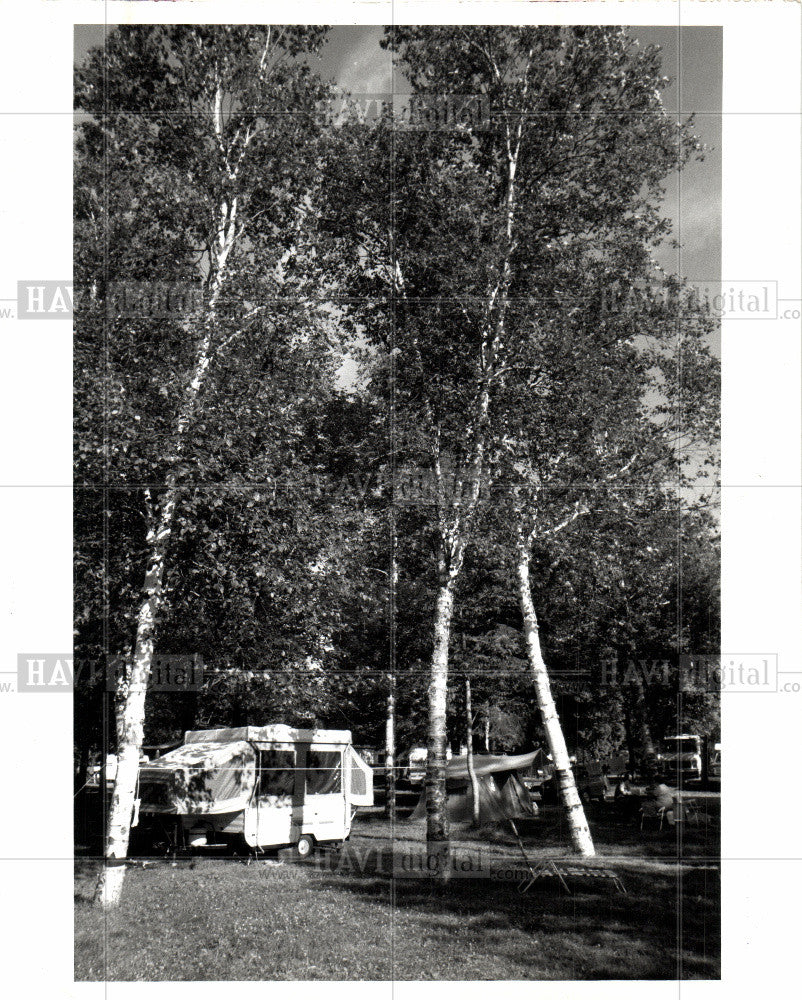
(502, 793)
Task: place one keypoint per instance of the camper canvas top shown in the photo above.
(269, 734)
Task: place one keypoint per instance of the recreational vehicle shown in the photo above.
(269, 786)
(415, 771)
(681, 757)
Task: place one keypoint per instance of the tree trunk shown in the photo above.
(80, 826)
(487, 730)
(646, 740)
(454, 536)
(437, 832)
(628, 712)
(575, 814)
(189, 713)
(640, 718)
(133, 687)
(389, 754)
(390, 803)
(471, 769)
(131, 717)
(629, 735)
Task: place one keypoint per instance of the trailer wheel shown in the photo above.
(304, 846)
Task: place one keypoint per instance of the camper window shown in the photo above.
(323, 770)
(276, 772)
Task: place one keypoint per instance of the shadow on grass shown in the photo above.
(359, 915)
(225, 920)
(592, 933)
(615, 835)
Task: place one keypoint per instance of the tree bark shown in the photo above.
(437, 829)
(629, 734)
(131, 718)
(390, 802)
(645, 731)
(389, 754)
(471, 770)
(575, 814)
(133, 686)
(640, 718)
(454, 534)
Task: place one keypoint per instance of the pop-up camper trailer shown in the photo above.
(267, 785)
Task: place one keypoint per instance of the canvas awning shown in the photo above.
(457, 767)
(199, 778)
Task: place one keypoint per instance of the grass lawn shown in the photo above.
(223, 919)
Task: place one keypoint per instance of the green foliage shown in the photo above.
(393, 250)
(180, 124)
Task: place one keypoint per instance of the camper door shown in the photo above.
(270, 818)
(324, 813)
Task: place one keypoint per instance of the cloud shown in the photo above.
(366, 68)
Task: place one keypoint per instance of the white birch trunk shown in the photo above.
(389, 753)
(469, 753)
(437, 830)
(575, 814)
(390, 799)
(131, 710)
(130, 722)
(454, 535)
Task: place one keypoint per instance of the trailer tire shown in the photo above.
(304, 846)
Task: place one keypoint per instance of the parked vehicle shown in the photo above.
(538, 775)
(415, 770)
(269, 786)
(369, 754)
(590, 781)
(416, 765)
(681, 758)
(714, 770)
(94, 771)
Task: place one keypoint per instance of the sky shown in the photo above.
(692, 57)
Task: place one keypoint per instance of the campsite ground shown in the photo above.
(226, 920)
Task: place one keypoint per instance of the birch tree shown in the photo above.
(204, 173)
(620, 435)
(469, 751)
(567, 169)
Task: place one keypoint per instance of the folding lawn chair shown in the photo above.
(543, 869)
(686, 809)
(651, 810)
